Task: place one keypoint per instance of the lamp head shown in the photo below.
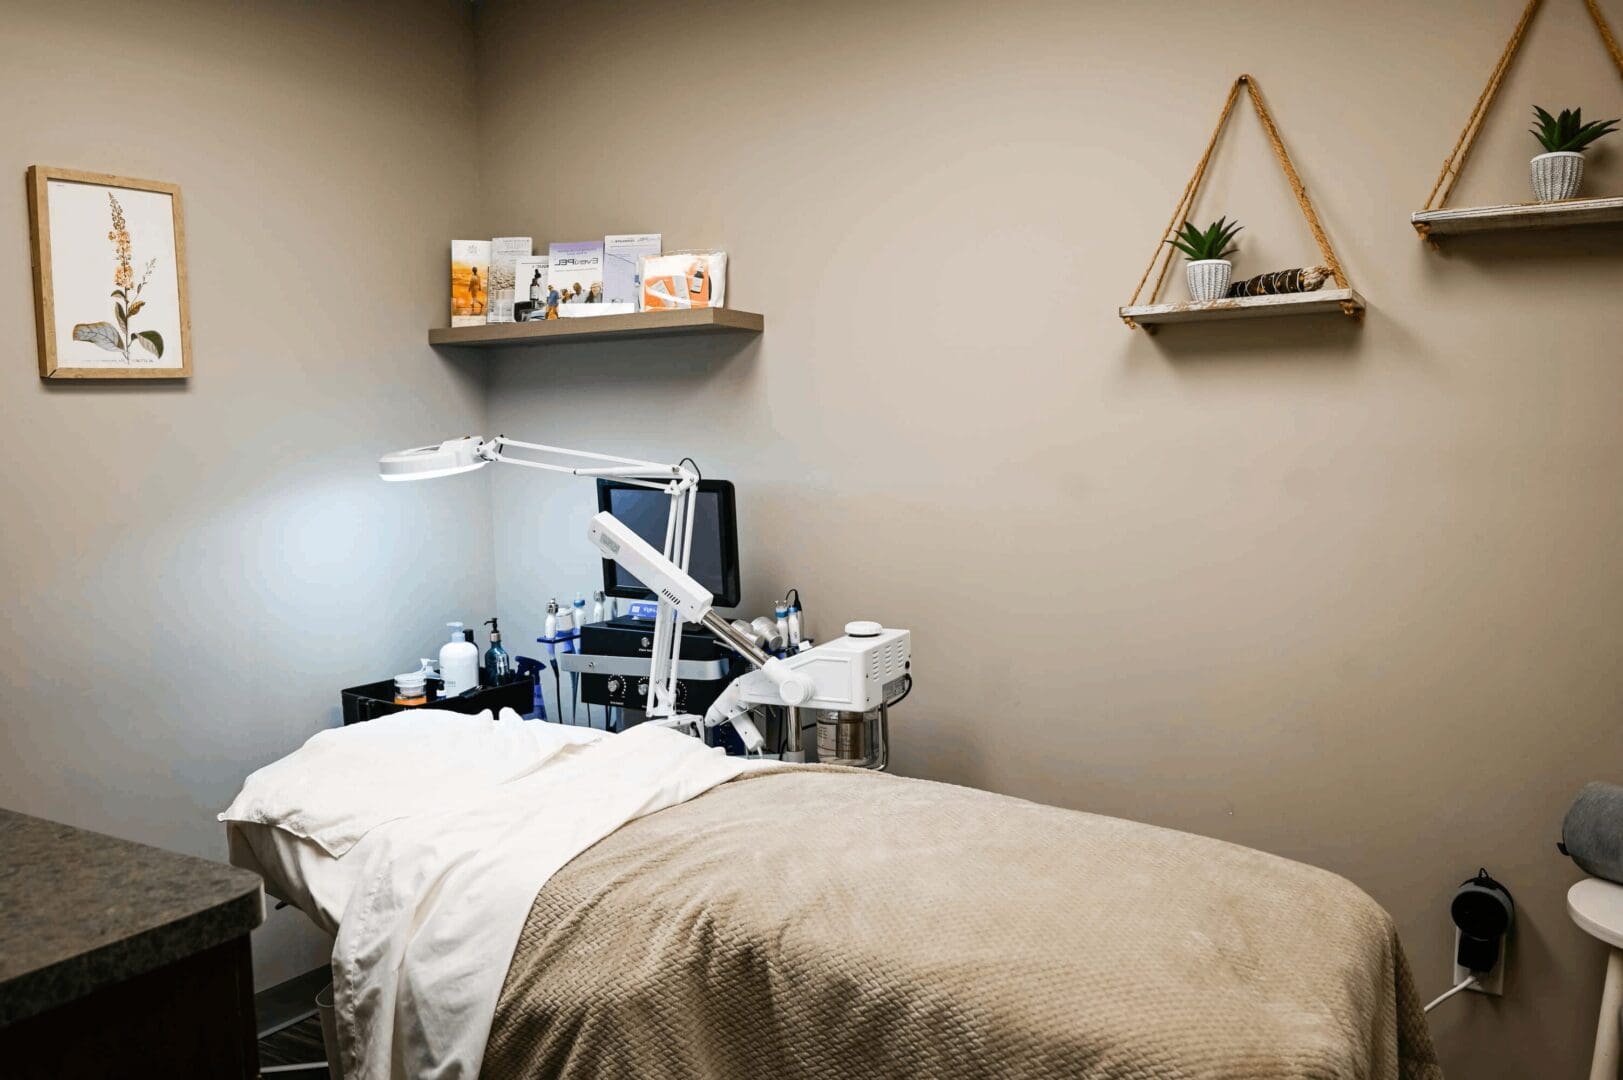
(426, 462)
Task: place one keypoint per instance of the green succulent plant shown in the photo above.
(1567, 131)
(1214, 243)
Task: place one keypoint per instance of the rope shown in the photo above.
(1185, 202)
(1191, 189)
(1473, 124)
(1295, 181)
(1605, 34)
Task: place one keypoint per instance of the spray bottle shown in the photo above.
(597, 606)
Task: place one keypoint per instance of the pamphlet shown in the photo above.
(470, 277)
(504, 252)
(622, 265)
(530, 288)
(574, 275)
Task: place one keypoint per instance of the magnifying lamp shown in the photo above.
(427, 462)
(681, 598)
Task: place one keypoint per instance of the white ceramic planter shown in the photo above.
(1209, 278)
(1557, 176)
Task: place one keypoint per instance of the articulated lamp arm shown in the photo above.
(681, 598)
(679, 481)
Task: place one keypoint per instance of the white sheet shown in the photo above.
(432, 887)
(345, 782)
(298, 870)
(426, 940)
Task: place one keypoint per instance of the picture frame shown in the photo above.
(109, 262)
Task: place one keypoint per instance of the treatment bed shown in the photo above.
(811, 921)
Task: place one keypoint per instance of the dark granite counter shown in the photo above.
(80, 911)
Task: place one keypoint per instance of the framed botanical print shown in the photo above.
(109, 276)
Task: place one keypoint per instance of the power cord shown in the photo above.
(1446, 994)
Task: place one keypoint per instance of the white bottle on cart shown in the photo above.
(459, 662)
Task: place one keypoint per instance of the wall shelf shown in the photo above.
(560, 331)
(1325, 301)
(1517, 216)
(1342, 298)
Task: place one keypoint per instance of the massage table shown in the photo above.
(816, 921)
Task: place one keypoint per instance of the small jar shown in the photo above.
(411, 689)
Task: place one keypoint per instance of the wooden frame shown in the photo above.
(134, 366)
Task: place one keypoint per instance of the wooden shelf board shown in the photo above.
(1556, 215)
(641, 324)
(1245, 307)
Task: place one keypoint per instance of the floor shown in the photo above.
(295, 1045)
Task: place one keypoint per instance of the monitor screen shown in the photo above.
(713, 561)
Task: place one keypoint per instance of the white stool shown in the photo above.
(1597, 907)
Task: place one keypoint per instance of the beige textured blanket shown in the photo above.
(816, 922)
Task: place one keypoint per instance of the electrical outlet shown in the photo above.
(1490, 982)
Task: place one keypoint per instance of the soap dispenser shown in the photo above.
(459, 662)
(498, 665)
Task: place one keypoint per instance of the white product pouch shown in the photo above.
(684, 279)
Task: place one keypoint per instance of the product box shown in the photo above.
(574, 275)
(470, 280)
(622, 265)
(530, 288)
(505, 251)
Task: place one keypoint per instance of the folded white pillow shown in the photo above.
(345, 782)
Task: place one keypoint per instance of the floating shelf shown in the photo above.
(1556, 215)
(1324, 301)
(640, 324)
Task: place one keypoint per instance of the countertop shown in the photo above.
(80, 910)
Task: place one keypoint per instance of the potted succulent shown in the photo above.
(1209, 269)
(1560, 169)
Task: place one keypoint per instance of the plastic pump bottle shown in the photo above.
(459, 662)
(597, 606)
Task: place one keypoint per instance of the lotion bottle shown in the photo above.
(498, 665)
(459, 662)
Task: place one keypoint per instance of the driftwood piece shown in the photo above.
(1298, 280)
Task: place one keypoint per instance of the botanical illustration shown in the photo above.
(117, 336)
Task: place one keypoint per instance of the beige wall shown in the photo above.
(1346, 594)
(193, 571)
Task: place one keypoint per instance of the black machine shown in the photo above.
(614, 666)
(615, 655)
(713, 558)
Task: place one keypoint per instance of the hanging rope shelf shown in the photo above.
(1436, 220)
(1150, 314)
